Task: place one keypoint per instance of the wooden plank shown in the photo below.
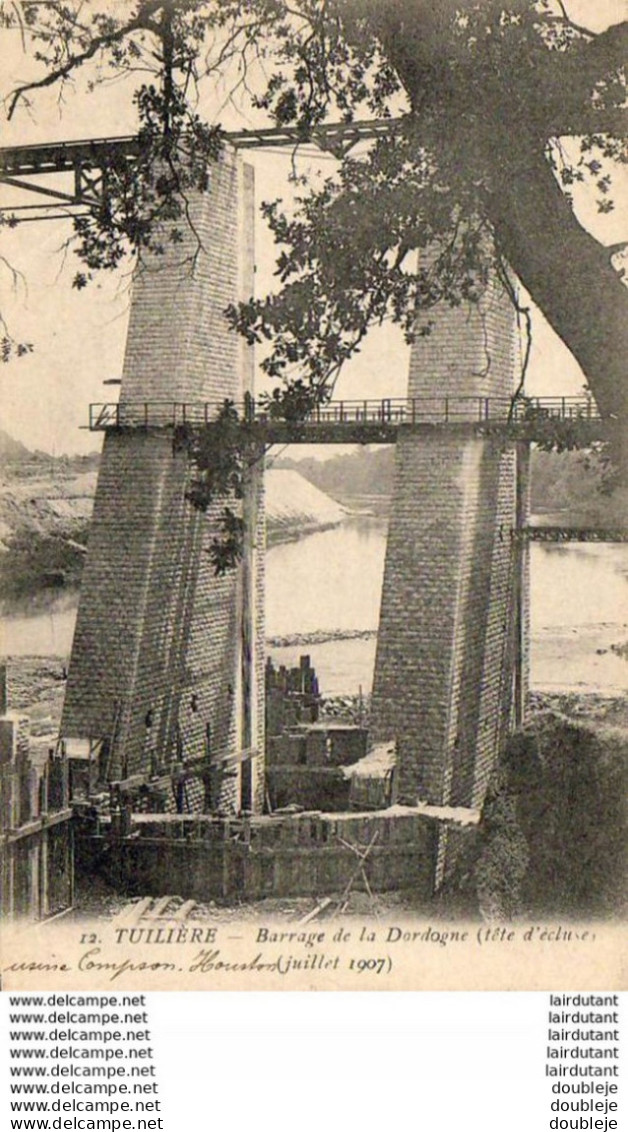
(133, 782)
(37, 824)
(238, 757)
(134, 912)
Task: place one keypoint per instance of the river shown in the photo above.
(331, 581)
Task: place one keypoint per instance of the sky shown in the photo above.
(79, 337)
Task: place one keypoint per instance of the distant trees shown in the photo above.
(364, 472)
(577, 483)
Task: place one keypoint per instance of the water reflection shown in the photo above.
(579, 584)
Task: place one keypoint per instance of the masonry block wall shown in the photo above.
(167, 659)
(443, 680)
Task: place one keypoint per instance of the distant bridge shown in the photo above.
(360, 422)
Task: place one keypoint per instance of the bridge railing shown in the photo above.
(387, 411)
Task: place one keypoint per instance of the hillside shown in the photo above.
(12, 451)
(365, 472)
(44, 524)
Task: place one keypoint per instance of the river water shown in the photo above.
(331, 580)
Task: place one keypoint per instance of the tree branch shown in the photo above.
(566, 18)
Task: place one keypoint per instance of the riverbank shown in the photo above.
(319, 637)
(276, 535)
(36, 688)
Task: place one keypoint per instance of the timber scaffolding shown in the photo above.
(36, 845)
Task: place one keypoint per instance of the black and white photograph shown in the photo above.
(313, 494)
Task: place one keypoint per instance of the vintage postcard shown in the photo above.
(313, 526)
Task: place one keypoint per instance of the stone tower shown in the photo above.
(167, 660)
(450, 627)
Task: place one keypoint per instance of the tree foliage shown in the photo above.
(562, 781)
(222, 454)
(144, 203)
